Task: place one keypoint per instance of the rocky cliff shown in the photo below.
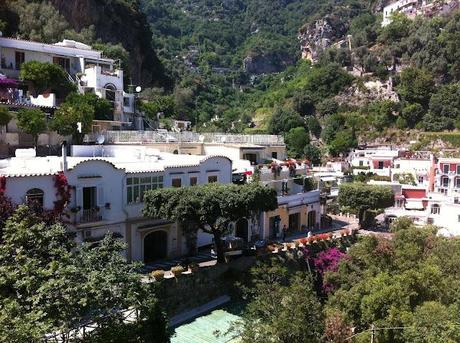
(118, 21)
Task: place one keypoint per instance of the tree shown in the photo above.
(432, 322)
(401, 223)
(280, 308)
(313, 126)
(400, 282)
(66, 119)
(326, 81)
(312, 153)
(159, 104)
(40, 21)
(49, 285)
(283, 120)
(416, 86)
(342, 143)
(5, 117)
(327, 107)
(382, 113)
(102, 108)
(303, 104)
(360, 197)
(445, 103)
(33, 122)
(210, 208)
(46, 77)
(413, 114)
(296, 140)
(333, 124)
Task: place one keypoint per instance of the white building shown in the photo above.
(418, 167)
(107, 192)
(88, 68)
(408, 7)
(375, 160)
(435, 200)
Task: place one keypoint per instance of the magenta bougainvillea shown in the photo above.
(62, 193)
(328, 260)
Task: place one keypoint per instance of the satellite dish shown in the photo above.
(138, 89)
(100, 139)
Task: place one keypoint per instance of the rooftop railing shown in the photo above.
(145, 137)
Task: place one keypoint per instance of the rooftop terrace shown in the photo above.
(146, 137)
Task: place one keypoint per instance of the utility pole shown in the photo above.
(372, 333)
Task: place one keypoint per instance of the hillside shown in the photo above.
(118, 27)
(238, 64)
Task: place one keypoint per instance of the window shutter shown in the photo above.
(100, 196)
(79, 197)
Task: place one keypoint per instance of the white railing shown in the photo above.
(145, 137)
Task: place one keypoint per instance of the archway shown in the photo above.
(241, 229)
(311, 220)
(155, 246)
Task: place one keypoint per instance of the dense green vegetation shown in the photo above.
(48, 285)
(407, 284)
(206, 54)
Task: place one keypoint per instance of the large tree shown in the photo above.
(283, 307)
(210, 208)
(66, 119)
(48, 285)
(33, 122)
(360, 197)
(46, 77)
(296, 140)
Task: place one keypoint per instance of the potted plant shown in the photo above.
(177, 271)
(158, 275)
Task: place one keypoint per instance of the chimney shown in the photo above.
(64, 156)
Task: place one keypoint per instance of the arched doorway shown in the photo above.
(155, 246)
(311, 220)
(241, 229)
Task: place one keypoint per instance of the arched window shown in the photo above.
(110, 92)
(34, 196)
(435, 209)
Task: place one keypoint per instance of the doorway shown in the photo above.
(241, 229)
(311, 220)
(155, 246)
(294, 222)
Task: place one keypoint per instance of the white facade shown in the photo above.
(88, 68)
(408, 7)
(107, 190)
(436, 199)
(378, 161)
(418, 168)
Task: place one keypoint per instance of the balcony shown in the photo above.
(90, 215)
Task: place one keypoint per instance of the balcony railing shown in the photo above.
(165, 137)
(90, 215)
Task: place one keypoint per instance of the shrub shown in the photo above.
(158, 274)
(177, 270)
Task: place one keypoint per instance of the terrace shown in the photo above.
(146, 137)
